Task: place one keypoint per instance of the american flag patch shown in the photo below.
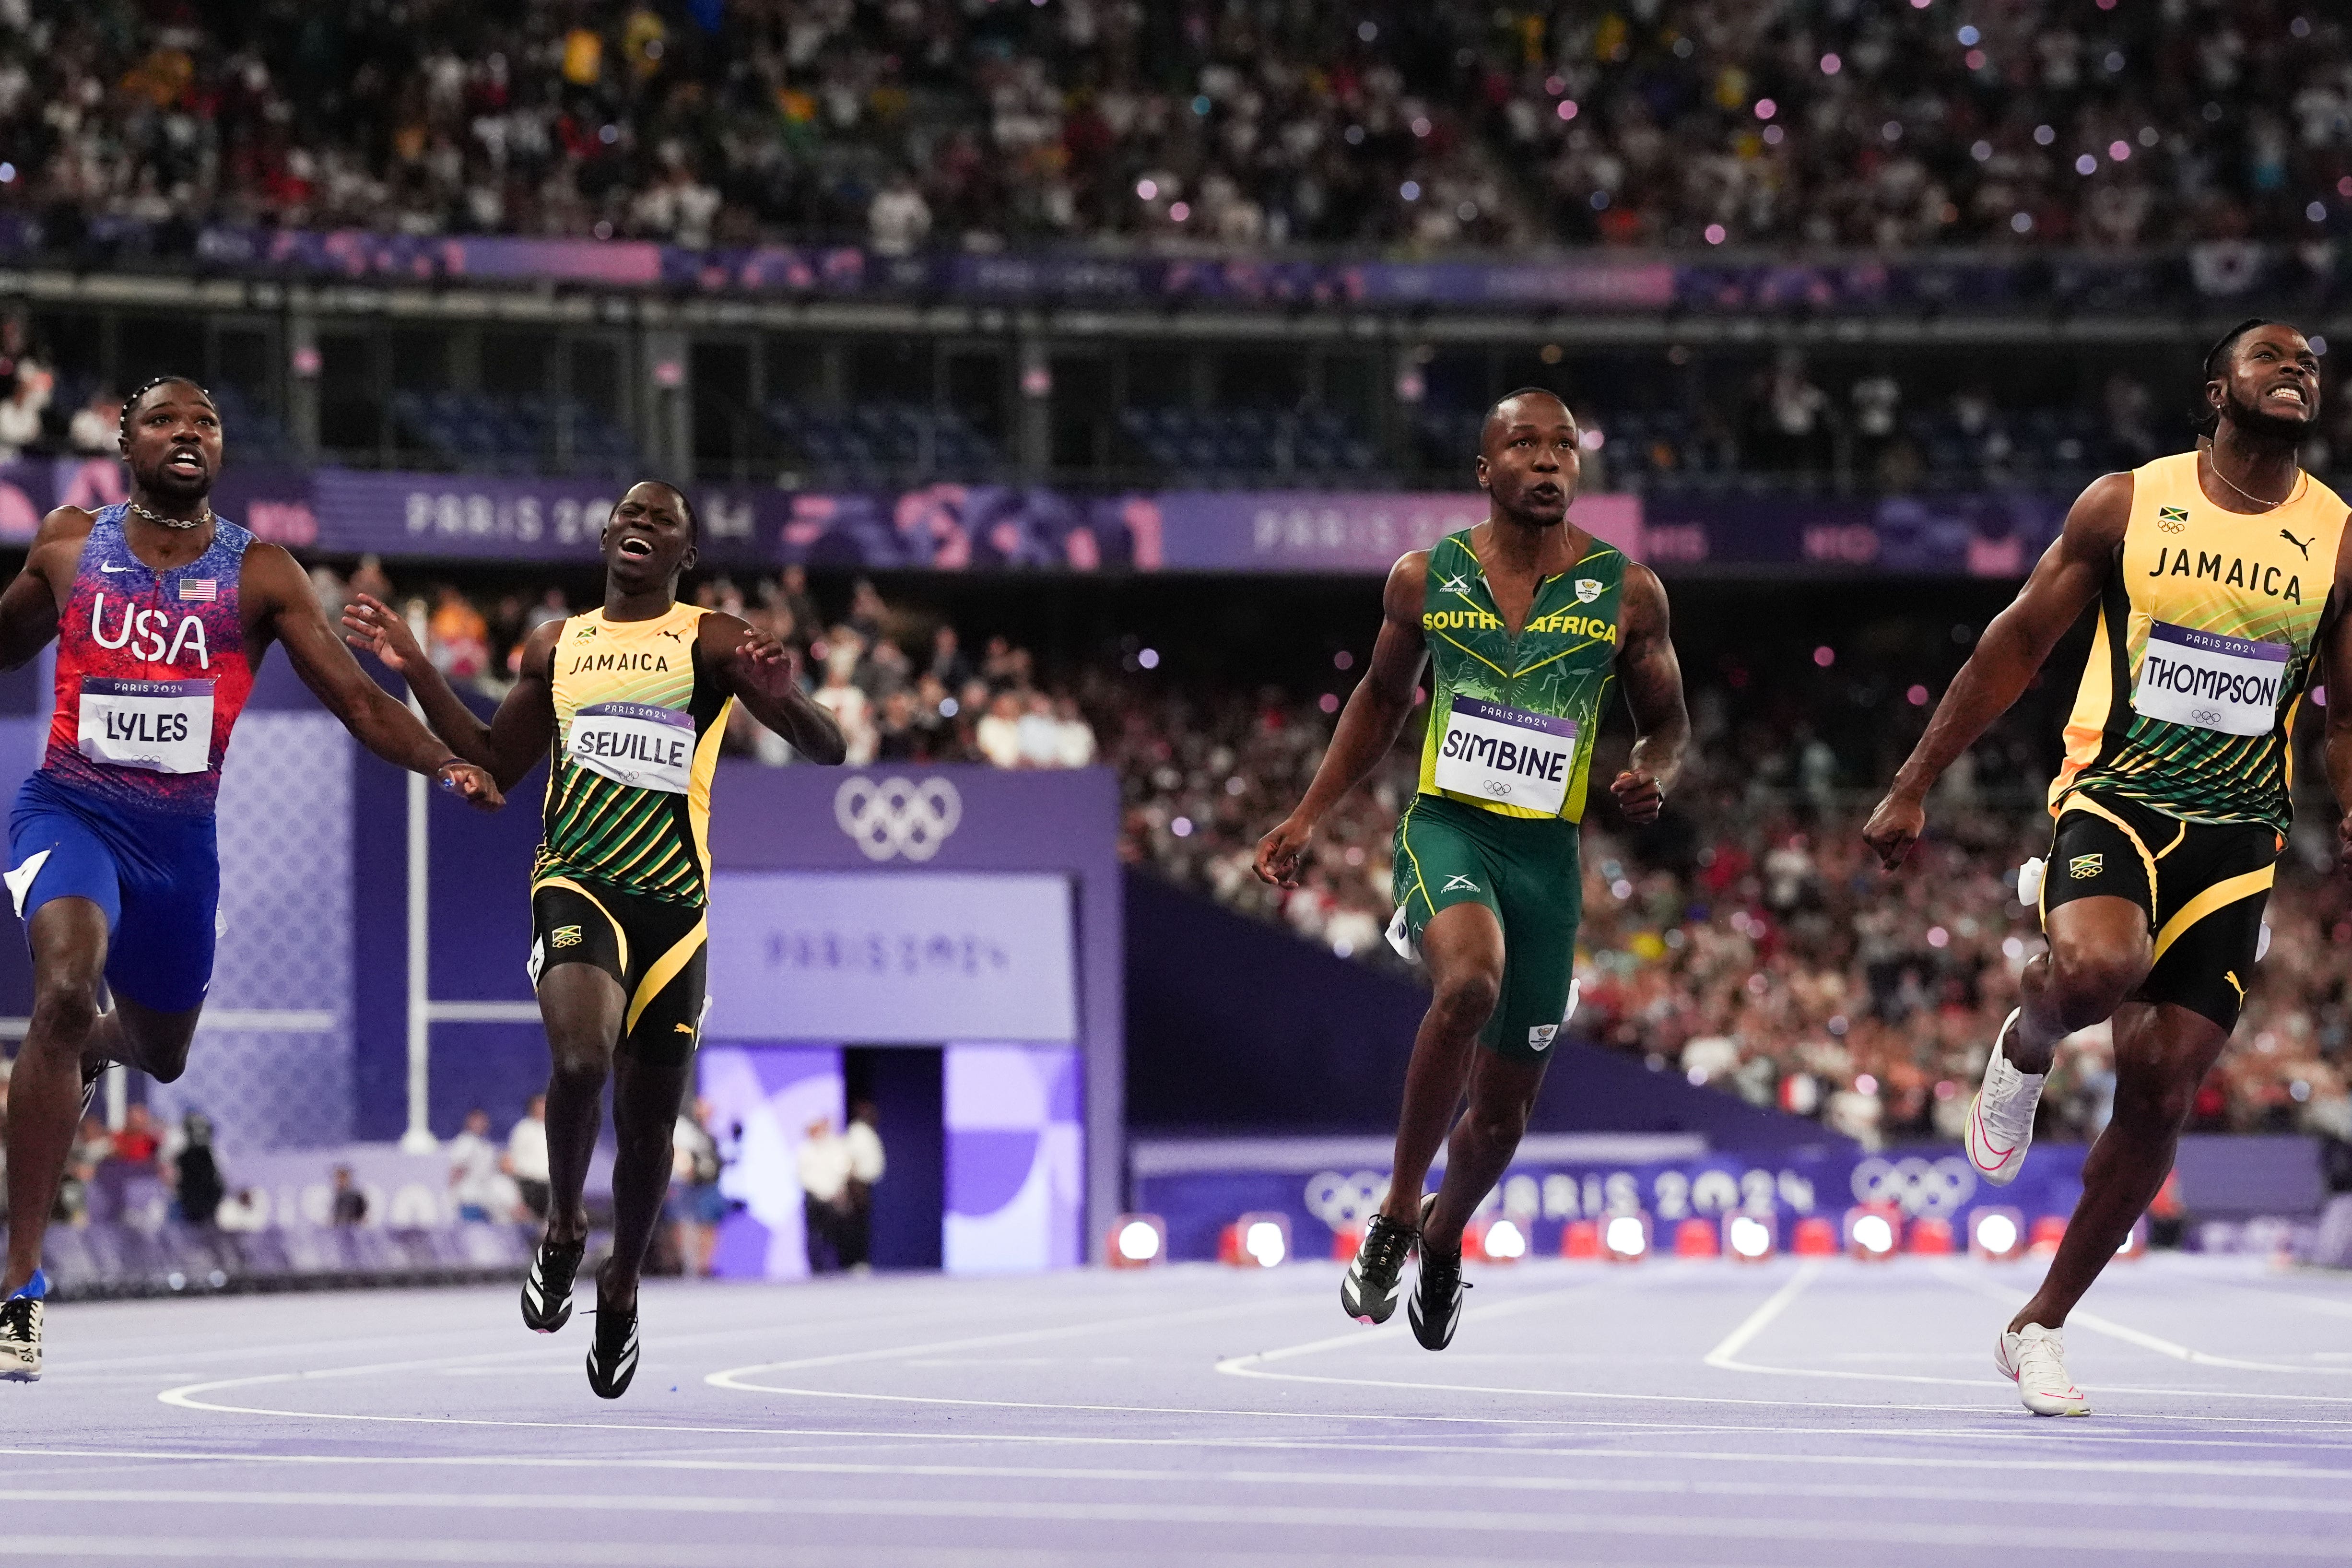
(199, 590)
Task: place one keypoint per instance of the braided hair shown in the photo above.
(122, 420)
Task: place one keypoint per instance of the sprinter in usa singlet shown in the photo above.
(162, 610)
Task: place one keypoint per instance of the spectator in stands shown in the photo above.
(849, 706)
(550, 607)
(949, 666)
(866, 1167)
(526, 1156)
(21, 410)
(899, 219)
(474, 1170)
(137, 1142)
(195, 1176)
(244, 1211)
(347, 1204)
(823, 1164)
(1074, 737)
(458, 635)
(697, 1205)
(96, 424)
(998, 735)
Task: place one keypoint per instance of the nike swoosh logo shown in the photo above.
(103, 567)
(1976, 1120)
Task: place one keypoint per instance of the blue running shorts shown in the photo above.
(155, 875)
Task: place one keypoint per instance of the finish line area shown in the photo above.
(1801, 1411)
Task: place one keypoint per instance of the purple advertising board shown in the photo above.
(1003, 528)
(1324, 1190)
(1592, 279)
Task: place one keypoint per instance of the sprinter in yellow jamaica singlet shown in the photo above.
(2220, 580)
(628, 703)
(1524, 620)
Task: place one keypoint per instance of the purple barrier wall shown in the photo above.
(1543, 1192)
(883, 824)
(989, 528)
(1235, 1026)
(1594, 279)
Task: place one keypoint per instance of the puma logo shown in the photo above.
(2301, 544)
(682, 1028)
(2231, 976)
(674, 632)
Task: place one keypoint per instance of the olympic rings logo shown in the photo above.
(1345, 1202)
(1920, 1186)
(898, 816)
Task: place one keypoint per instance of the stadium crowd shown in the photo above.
(1877, 123)
(1747, 942)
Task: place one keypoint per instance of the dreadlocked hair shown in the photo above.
(122, 420)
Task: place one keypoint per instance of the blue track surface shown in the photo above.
(1668, 1412)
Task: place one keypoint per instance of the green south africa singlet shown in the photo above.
(1512, 718)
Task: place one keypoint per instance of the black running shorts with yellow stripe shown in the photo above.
(658, 953)
(2202, 886)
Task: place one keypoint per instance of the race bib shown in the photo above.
(1506, 756)
(2212, 681)
(636, 743)
(160, 726)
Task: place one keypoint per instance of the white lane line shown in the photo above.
(120, 1549)
(1355, 1516)
(2009, 1492)
(1757, 1322)
(2056, 1462)
(1722, 1356)
(185, 1395)
(730, 1377)
(2146, 1340)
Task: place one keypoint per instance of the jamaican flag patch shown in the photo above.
(2083, 867)
(2172, 514)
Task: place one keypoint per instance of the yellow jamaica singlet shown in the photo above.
(2203, 645)
(638, 727)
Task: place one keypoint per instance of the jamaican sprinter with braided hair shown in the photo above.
(628, 703)
(162, 610)
(2213, 573)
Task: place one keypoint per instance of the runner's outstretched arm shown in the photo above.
(1368, 725)
(28, 608)
(2067, 577)
(517, 736)
(291, 615)
(1653, 692)
(2336, 650)
(760, 672)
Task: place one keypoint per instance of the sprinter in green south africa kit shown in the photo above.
(1526, 619)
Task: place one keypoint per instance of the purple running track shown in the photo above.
(1668, 1414)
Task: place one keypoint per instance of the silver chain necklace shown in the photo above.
(181, 525)
(2212, 461)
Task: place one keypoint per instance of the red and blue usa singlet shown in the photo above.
(152, 673)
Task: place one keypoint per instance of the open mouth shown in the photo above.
(2289, 393)
(184, 463)
(635, 549)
